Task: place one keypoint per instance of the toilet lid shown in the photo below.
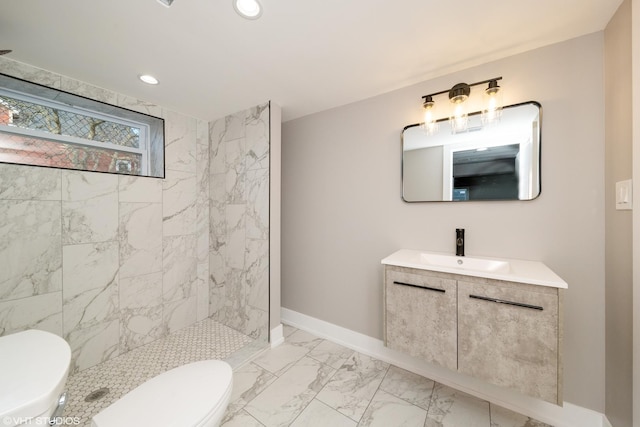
(184, 396)
(33, 369)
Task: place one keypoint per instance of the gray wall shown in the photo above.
(342, 210)
(618, 240)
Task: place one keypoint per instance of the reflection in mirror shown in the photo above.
(497, 162)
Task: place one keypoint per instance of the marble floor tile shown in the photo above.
(249, 381)
(452, 408)
(408, 386)
(331, 354)
(241, 419)
(501, 417)
(304, 339)
(279, 359)
(317, 414)
(288, 330)
(353, 386)
(282, 401)
(306, 392)
(387, 410)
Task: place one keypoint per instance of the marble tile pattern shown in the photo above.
(239, 220)
(284, 386)
(203, 197)
(89, 207)
(140, 238)
(309, 381)
(30, 248)
(109, 262)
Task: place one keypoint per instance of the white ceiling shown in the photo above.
(307, 56)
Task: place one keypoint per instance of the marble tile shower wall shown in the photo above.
(109, 262)
(239, 218)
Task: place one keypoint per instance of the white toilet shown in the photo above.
(34, 366)
(192, 395)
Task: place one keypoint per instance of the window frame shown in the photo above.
(151, 138)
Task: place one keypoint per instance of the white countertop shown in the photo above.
(512, 270)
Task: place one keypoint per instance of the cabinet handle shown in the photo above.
(501, 301)
(420, 287)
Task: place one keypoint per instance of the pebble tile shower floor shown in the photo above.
(207, 339)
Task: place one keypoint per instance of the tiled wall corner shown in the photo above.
(239, 221)
(202, 218)
(179, 222)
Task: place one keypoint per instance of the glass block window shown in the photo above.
(67, 131)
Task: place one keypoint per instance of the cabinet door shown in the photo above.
(508, 335)
(421, 316)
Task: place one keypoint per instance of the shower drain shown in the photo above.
(97, 394)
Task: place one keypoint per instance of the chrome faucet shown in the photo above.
(459, 241)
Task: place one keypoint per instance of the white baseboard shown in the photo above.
(276, 336)
(568, 415)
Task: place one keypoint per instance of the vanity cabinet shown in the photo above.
(505, 333)
(509, 335)
(421, 316)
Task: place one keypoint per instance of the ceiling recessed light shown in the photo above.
(149, 79)
(249, 9)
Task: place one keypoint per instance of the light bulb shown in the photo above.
(459, 120)
(492, 110)
(430, 124)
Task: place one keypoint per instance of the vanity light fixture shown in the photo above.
(492, 110)
(249, 9)
(430, 123)
(458, 95)
(148, 79)
(165, 3)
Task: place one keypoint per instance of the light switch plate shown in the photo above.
(624, 195)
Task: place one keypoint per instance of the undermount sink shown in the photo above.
(513, 270)
(465, 263)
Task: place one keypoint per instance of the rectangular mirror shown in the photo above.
(43, 126)
(496, 162)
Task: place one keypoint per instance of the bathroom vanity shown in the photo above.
(498, 320)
